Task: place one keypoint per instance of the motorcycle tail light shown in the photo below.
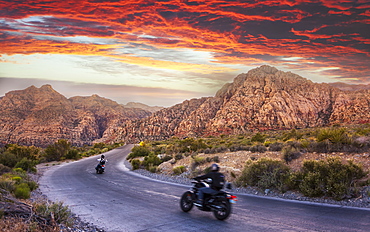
(233, 199)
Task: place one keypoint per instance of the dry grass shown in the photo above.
(11, 224)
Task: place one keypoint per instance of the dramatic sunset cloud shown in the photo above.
(180, 48)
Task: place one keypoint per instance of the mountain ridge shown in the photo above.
(41, 116)
(265, 98)
(262, 99)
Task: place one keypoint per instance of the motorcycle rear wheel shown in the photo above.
(225, 211)
(186, 202)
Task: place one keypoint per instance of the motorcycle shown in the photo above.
(101, 167)
(219, 203)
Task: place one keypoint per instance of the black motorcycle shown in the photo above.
(101, 167)
(219, 203)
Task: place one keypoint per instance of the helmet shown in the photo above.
(102, 156)
(215, 168)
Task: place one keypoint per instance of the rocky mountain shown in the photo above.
(262, 99)
(40, 116)
(143, 106)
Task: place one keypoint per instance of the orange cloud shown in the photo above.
(234, 31)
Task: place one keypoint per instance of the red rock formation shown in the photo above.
(263, 99)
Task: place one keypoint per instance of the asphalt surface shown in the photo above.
(120, 200)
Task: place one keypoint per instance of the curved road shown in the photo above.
(120, 200)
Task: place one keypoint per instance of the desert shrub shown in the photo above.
(4, 169)
(179, 170)
(198, 160)
(258, 148)
(276, 146)
(32, 185)
(56, 151)
(135, 163)
(265, 173)
(26, 165)
(8, 159)
(17, 179)
(334, 135)
(237, 147)
(207, 150)
(7, 185)
(73, 154)
(138, 151)
(216, 159)
(178, 157)
(152, 168)
(220, 149)
(290, 153)
(292, 134)
(258, 137)
(22, 191)
(329, 177)
(151, 161)
(166, 158)
(60, 213)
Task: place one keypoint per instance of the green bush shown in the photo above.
(73, 154)
(258, 138)
(135, 163)
(329, 177)
(22, 191)
(32, 185)
(265, 173)
(8, 159)
(199, 160)
(150, 161)
(17, 179)
(27, 165)
(334, 135)
(138, 151)
(179, 170)
(152, 168)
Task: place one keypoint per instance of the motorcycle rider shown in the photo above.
(218, 181)
(102, 161)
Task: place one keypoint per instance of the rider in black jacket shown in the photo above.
(218, 181)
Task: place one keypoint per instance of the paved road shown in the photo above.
(120, 200)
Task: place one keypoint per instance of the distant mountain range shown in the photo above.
(40, 116)
(262, 99)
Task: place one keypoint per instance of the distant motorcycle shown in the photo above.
(219, 203)
(100, 168)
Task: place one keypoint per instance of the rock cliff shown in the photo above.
(262, 99)
(40, 116)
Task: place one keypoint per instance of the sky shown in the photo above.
(163, 52)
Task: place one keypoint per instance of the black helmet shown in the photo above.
(215, 168)
(102, 156)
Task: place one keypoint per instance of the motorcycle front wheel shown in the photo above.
(225, 210)
(186, 202)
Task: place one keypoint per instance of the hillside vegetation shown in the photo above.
(329, 161)
(17, 211)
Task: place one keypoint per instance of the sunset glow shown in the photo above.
(181, 48)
